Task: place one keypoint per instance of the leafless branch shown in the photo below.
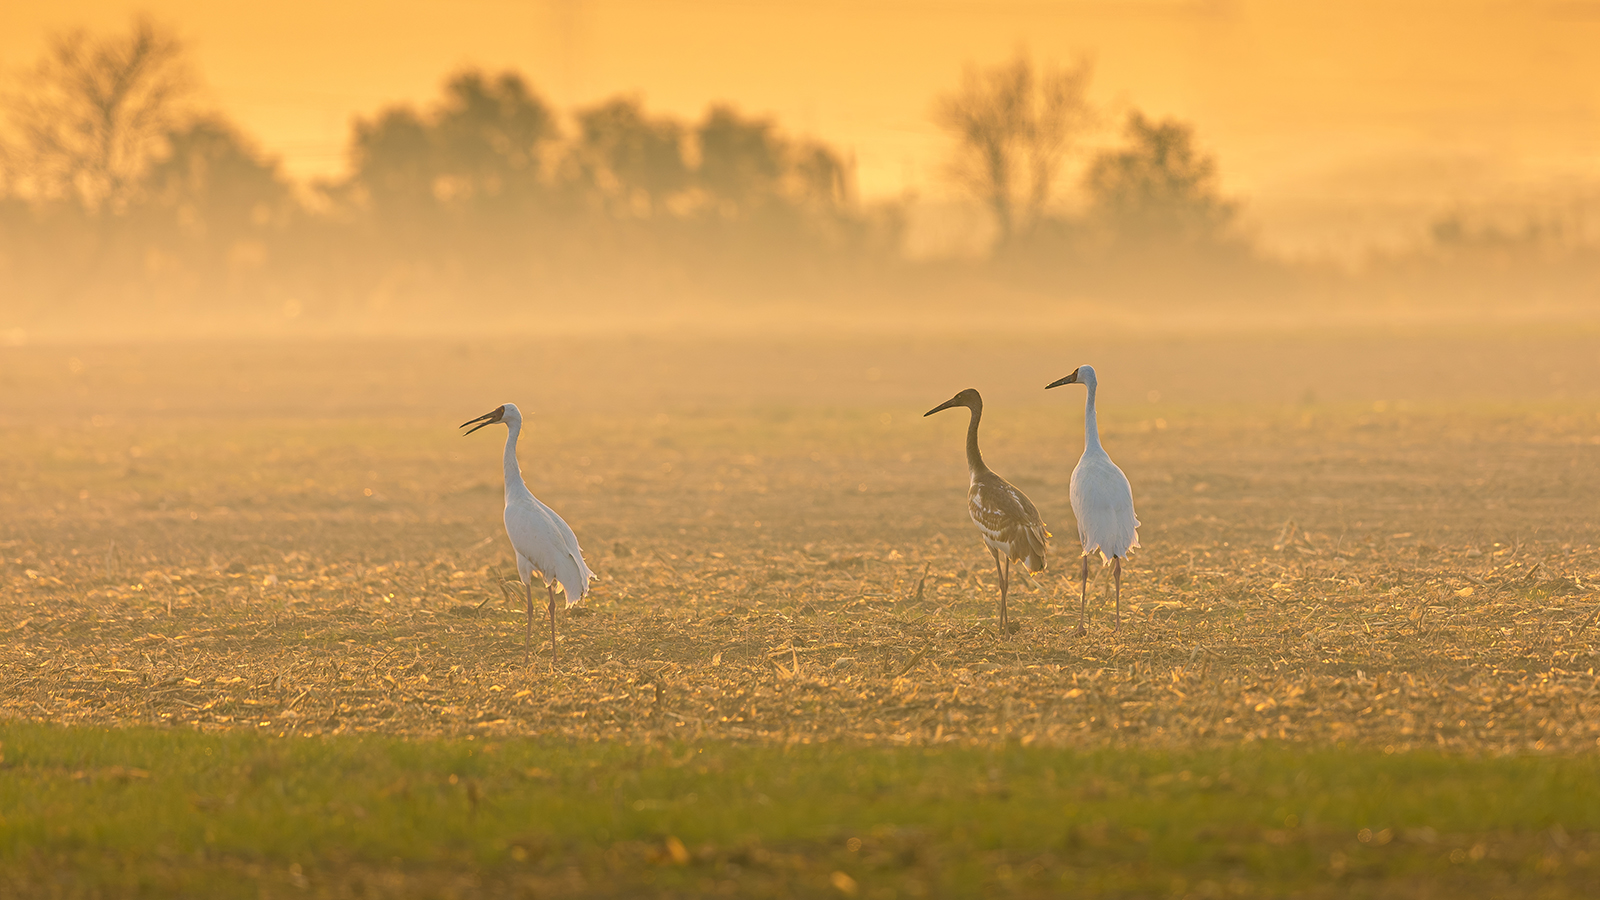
(91, 115)
(1013, 127)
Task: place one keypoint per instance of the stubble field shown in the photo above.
(1383, 546)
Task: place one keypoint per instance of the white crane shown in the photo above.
(1102, 500)
(1004, 515)
(544, 543)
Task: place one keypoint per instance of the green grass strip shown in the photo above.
(90, 812)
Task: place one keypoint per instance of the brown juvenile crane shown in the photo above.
(1004, 515)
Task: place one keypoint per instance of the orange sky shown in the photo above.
(1340, 124)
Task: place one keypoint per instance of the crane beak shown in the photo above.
(488, 418)
(1070, 379)
(943, 406)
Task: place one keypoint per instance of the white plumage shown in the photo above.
(545, 545)
(1102, 499)
(1103, 502)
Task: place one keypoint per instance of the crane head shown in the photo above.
(968, 398)
(1080, 375)
(489, 418)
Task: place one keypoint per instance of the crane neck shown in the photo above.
(1091, 427)
(513, 471)
(974, 458)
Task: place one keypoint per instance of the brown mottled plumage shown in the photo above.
(1004, 515)
(1007, 519)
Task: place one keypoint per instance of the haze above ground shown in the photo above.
(1343, 127)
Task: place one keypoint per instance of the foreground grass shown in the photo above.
(91, 812)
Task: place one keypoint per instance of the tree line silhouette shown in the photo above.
(119, 194)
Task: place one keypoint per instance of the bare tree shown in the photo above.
(741, 159)
(1159, 186)
(92, 115)
(479, 151)
(632, 160)
(1013, 127)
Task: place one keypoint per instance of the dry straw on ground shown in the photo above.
(789, 571)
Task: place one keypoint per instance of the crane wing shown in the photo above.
(570, 538)
(547, 542)
(1102, 501)
(1008, 520)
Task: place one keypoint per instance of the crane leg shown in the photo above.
(1000, 572)
(552, 591)
(527, 642)
(1005, 589)
(1083, 599)
(1116, 574)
